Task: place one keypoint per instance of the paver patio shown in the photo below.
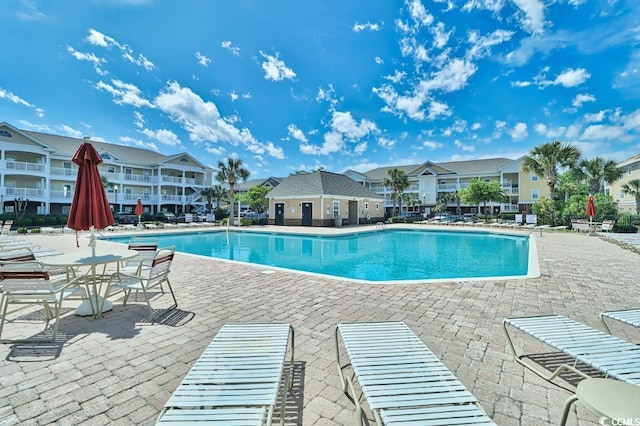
(121, 369)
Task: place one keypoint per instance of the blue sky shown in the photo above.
(290, 85)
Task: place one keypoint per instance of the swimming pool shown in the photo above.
(382, 256)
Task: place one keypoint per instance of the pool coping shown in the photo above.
(533, 267)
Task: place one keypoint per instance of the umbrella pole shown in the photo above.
(591, 226)
(92, 241)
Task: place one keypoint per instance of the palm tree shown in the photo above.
(544, 160)
(209, 195)
(599, 171)
(219, 193)
(633, 188)
(411, 199)
(230, 172)
(398, 181)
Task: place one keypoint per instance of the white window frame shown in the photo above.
(377, 206)
(622, 194)
(366, 206)
(534, 177)
(336, 209)
(535, 194)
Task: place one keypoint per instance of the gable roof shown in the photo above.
(321, 183)
(469, 167)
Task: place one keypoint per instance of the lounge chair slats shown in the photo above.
(219, 417)
(610, 355)
(403, 382)
(626, 316)
(236, 380)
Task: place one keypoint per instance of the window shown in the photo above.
(622, 194)
(66, 191)
(535, 194)
(534, 177)
(66, 165)
(336, 208)
(5, 134)
(629, 170)
(377, 206)
(111, 169)
(128, 171)
(105, 156)
(184, 160)
(366, 206)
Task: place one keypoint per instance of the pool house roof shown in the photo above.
(321, 183)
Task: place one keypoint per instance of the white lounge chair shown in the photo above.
(613, 357)
(402, 381)
(236, 379)
(626, 316)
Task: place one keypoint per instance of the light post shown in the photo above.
(115, 188)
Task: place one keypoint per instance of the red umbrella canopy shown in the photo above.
(139, 209)
(90, 206)
(591, 207)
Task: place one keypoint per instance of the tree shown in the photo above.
(481, 191)
(633, 188)
(208, 193)
(544, 160)
(411, 199)
(570, 183)
(256, 198)
(230, 172)
(398, 181)
(597, 172)
(220, 194)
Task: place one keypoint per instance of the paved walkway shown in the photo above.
(121, 369)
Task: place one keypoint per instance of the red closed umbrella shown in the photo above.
(90, 207)
(139, 209)
(591, 211)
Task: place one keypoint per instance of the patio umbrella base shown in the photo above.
(84, 310)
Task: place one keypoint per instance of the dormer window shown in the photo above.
(105, 156)
(184, 160)
(5, 134)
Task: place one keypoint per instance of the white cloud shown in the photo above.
(344, 123)
(202, 60)
(124, 93)
(492, 5)
(228, 45)
(476, 126)
(572, 77)
(5, 94)
(596, 117)
(432, 145)
(90, 57)
(70, 131)
(164, 136)
(600, 131)
(234, 96)
(467, 148)
(357, 27)
(418, 13)
(138, 119)
(202, 120)
(386, 143)
(519, 131)
(129, 141)
(397, 76)
(275, 69)
(360, 148)
(97, 38)
(296, 133)
(540, 128)
(533, 15)
(378, 60)
(581, 98)
(481, 45)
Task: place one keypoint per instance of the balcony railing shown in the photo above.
(64, 171)
(511, 190)
(137, 178)
(24, 193)
(24, 166)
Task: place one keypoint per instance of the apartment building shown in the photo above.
(431, 181)
(37, 167)
(631, 169)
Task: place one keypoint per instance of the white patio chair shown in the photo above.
(28, 283)
(236, 379)
(402, 381)
(626, 316)
(613, 357)
(147, 279)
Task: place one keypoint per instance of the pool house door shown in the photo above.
(307, 214)
(279, 214)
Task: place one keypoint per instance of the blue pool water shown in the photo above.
(393, 255)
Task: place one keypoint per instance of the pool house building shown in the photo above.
(323, 199)
(37, 167)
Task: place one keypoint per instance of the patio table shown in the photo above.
(72, 261)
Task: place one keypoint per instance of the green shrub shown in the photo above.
(51, 220)
(39, 221)
(21, 230)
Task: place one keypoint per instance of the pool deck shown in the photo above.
(122, 369)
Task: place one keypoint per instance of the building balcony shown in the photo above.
(64, 171)
(511, 190)
(23, 167)
(24, 193)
